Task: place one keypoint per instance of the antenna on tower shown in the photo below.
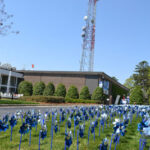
(88, 35)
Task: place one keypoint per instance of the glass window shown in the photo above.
(13, 81)
(4, 79)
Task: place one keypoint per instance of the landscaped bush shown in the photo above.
(97, 94)
(72, 92)
(136, 95)
(60, 90)
(84, 94)
(46, 99)
(49, 90)
(38, 88)
(70, 100)
(25, 88)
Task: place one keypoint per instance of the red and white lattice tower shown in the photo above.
(88, 35)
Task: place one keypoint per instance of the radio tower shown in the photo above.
(88, 35)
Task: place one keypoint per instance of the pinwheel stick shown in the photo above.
(20, 141)
(30, 138)
(78, 140)
(11, 134)
(74, 128)
(39, 139)
(88, 135)
(111, 141)
(65, 146)
(94, 133)
(99, 128)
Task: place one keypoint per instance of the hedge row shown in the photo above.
(46, 99)
(69, 100)
(56, 99)
(39, 89)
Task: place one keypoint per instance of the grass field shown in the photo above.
(9, 101)
(129, 142)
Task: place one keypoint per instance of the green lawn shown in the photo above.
(129, 142)
(9, 101)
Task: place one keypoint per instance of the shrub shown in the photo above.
(38, 88)
(49, 90)
(46, 99)
(60, 90)
(84, 94)
(25, 88)
(72, 92)
(97, 94)
(136, 95)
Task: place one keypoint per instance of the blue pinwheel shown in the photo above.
(69, 123)
(77, 119)
(92, 127)
(68, 139)
(5, 119)
(3, 126)
(81, 131)
(43, 134)
(13, 121)
(104, 144)
(56, 126)
(24, 128)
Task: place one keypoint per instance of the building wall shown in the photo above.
(92, 82)
(78, 81)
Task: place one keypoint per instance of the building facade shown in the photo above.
(9, 80)
(79, 79)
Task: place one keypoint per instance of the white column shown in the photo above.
(8, 82)
(16, 84)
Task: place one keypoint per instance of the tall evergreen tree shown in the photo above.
(141, 76)
(129, 83)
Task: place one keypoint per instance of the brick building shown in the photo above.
(79, 79)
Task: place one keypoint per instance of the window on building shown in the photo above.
(106, 87)
(3, 89)
(4, 79)
(13, 81)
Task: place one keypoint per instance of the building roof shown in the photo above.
(83, 73)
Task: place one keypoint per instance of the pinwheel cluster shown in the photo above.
(95, 117)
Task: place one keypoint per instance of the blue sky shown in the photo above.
(50, 35)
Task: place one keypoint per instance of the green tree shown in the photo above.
(129, 83)
(136, 95)
(72, 92)
(148, 93)
(97, 94)
(38, 88)
(115, 78)
(84, 93)
(60, 90)
(141, 76)
(49, 90)
(25, 88)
